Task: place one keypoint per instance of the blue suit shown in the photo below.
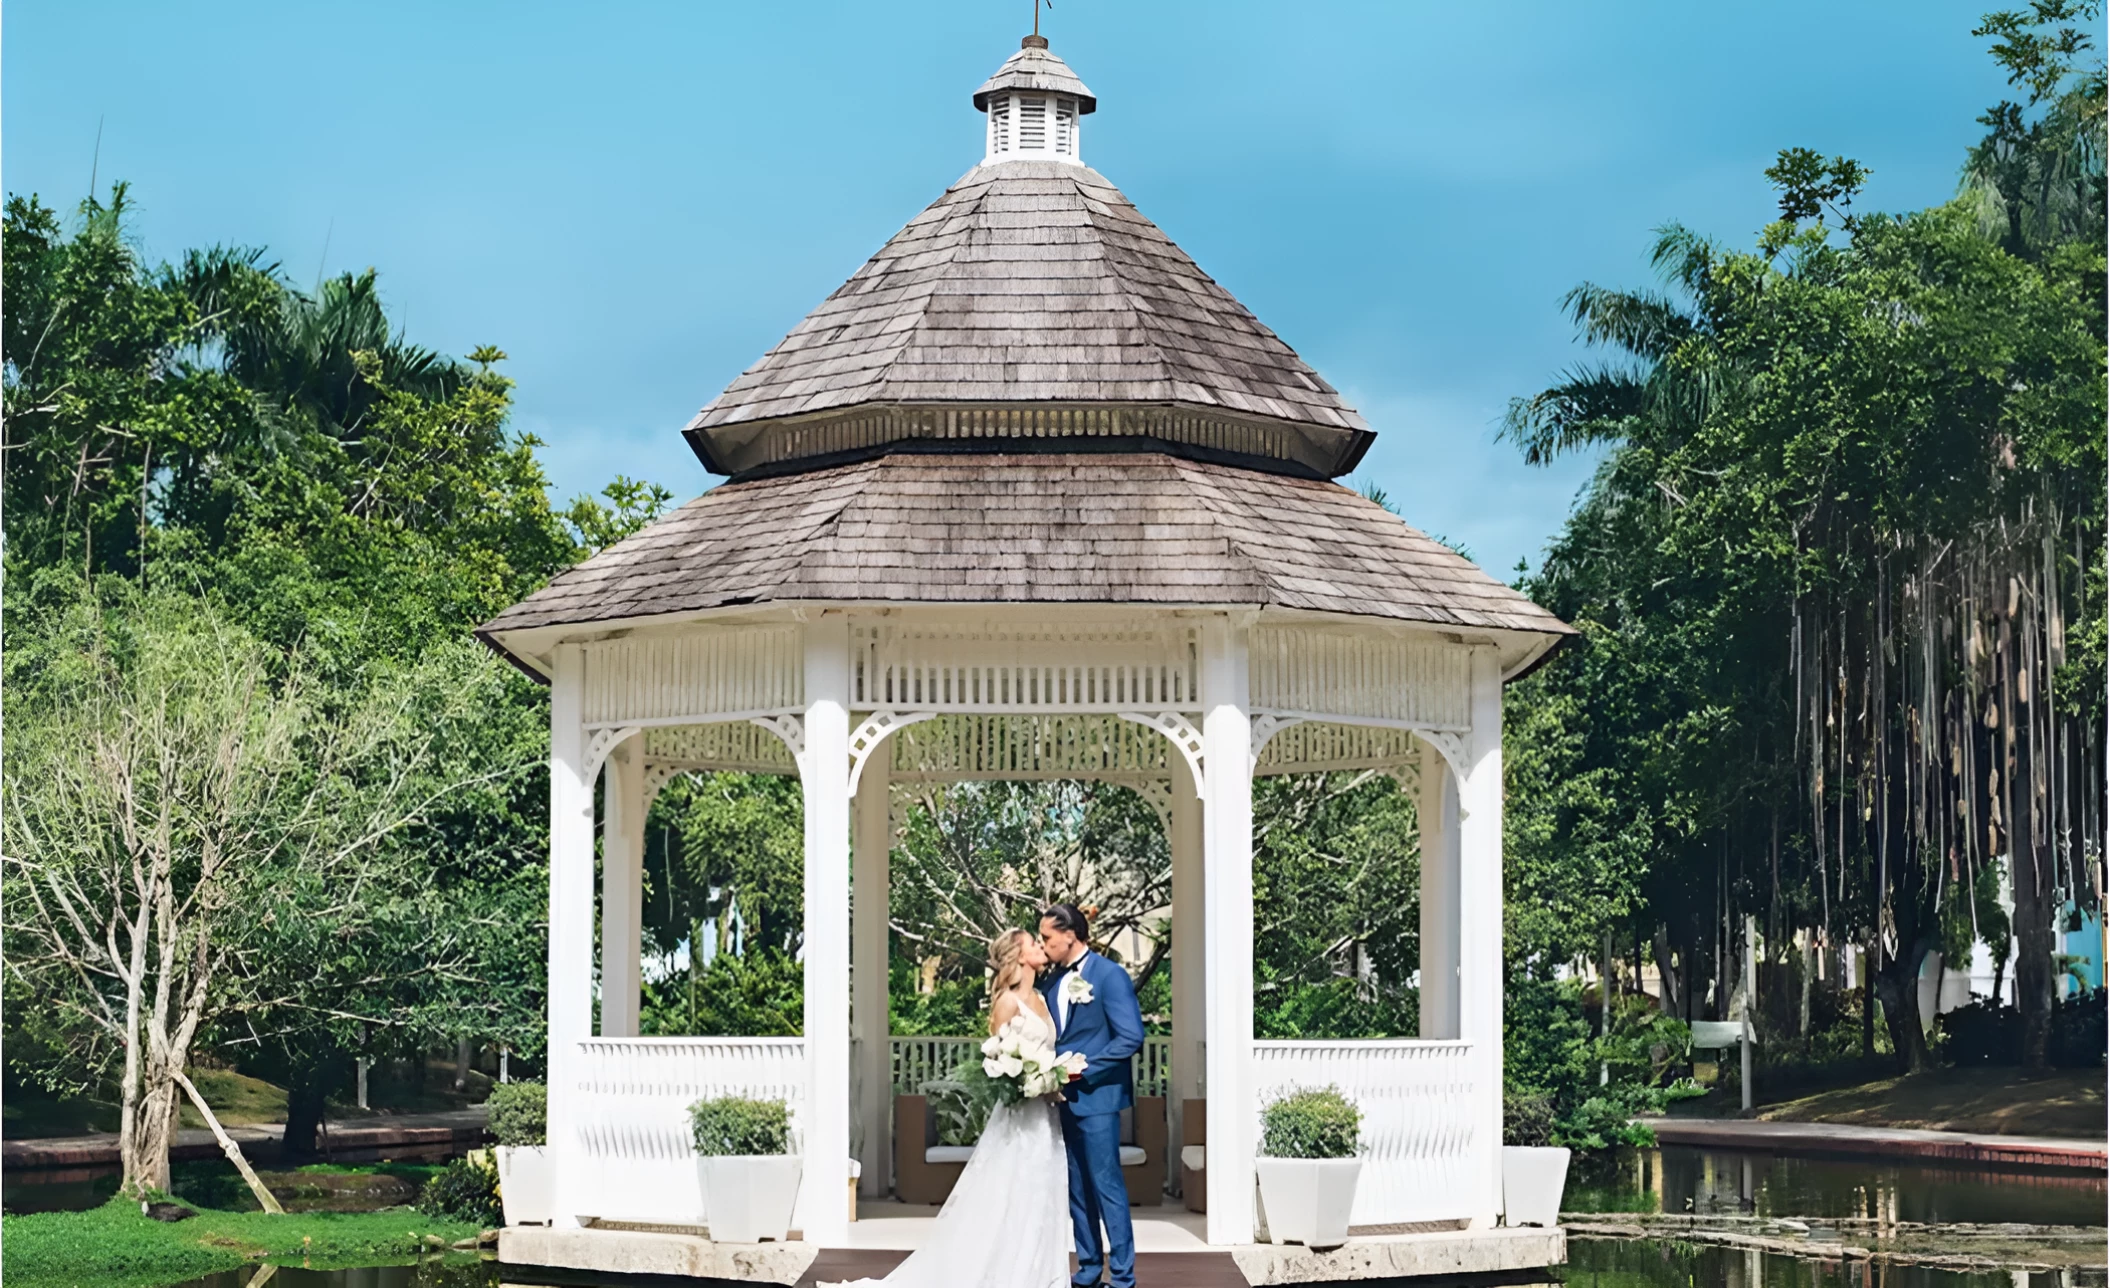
(1106, 1031)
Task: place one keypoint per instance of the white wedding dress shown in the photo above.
(1007, 1221)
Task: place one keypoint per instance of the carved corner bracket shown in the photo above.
(1451, 746)
(792, 729)
(869, 736)
(1265, 727)
(1182, 733)
(601, 743)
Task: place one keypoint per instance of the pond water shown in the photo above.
(1702, 1181)
(1662, 1263)
(450, 1273)
(215, 1184)
(1591, 1264)
(1670, 1180)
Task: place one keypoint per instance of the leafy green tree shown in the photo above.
(1834, 577)
(1337, 907)
(2036, 179)
(976, 858)
(104, 419)
(353, 503)
(174, 795)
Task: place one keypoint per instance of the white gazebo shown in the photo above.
(1029, 496)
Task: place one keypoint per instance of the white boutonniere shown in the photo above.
(1075, 990)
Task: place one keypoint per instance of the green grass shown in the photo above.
(29, 1114)
(237, 1099)
(114, 1246)
(1995, 1101)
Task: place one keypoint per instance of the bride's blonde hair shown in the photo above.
(1005, 966)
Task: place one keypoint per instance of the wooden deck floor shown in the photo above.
(1170, 1254)
(1153, 1269)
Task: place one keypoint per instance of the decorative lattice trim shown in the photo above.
(1009, 668)
(720, 672)
(955, 747)
(1322, 672)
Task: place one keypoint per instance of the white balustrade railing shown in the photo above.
(920, 1059)
(1421, 1148)
(633, 1114)
(1422, 1157)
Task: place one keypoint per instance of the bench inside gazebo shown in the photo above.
(1029, 497)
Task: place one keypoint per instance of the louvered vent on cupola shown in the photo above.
(1020, 128)
(999, 126)
(1032, 125)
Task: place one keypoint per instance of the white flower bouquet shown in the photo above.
(1019, 1063)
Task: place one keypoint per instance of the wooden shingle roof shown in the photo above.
(1045, 528)
(1035, 70)
(1030, 283)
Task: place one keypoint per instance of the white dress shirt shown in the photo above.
(1062, 990)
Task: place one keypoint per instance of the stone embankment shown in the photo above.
(356, 1140)
(1845, 1140)
(1943, 1246)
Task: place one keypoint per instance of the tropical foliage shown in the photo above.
(1840, 571)
(248, 520)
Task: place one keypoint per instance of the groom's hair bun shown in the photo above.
(1068, 917)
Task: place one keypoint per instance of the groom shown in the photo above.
(1096, 1016)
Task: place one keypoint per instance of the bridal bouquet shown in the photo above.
(1020, 1064)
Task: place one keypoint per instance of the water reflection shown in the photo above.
(214, 1183)
(1650, 1263)
(1592, 1263)
(1707, 1181)
(58, 1189)
(451, 1273)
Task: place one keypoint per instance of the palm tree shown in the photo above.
(300, 356)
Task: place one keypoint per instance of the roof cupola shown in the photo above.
(1030, 309)
(1034, 104)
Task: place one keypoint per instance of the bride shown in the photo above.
(1007, 1222)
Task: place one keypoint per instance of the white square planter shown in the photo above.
(748, 1198)
(1308, 1200)
(1533, 1179)
(527, 1184)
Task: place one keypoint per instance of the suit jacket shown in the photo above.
(1106, 1031)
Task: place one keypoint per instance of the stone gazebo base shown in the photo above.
(1171, 1247)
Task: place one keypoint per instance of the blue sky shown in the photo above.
(636, 200)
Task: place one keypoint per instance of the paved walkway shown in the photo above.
(1845, 1140)
(350, 1140)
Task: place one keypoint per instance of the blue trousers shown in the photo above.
(1099, 1193)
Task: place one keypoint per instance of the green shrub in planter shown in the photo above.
(960, 1114)
(731, 1125)
(462, 1191)
(1527, 1118)
(519, 1113)
(1313, 1122)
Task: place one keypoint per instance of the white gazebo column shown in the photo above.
(873, 836)
(1190, 970)
(622, 887)
(1438, 812)
(824, 773)
(570, 923)
(1480, 921)
(1227, 851)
